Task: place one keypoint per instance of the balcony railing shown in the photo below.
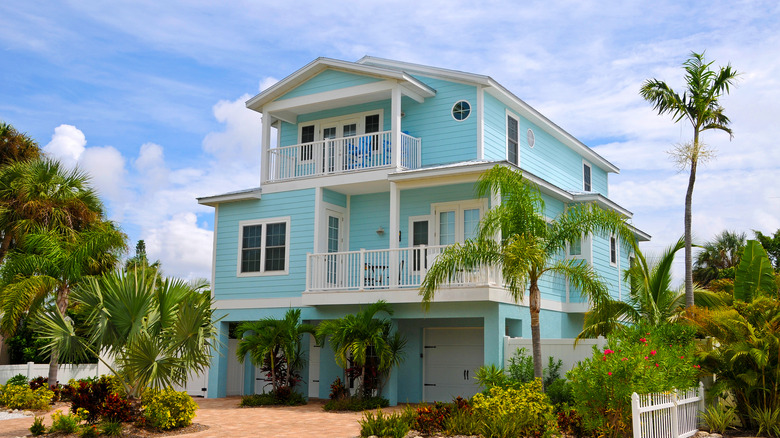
(340, 155)
(400, 268)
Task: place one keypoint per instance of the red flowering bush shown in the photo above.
(640, 360)
(431, 418)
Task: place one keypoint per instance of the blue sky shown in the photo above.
(148, 96)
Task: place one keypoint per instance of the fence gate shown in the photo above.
(672, 414)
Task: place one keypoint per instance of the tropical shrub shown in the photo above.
(395, 425)
(111, 428)
(338, 390)
(637, 360)
(431, 418)
(23, 397)
(570, 422)
(522, 410)
(88, 431)
(356, 404)
(746, 359)
(167, 408)
(66, 423)
(37, 427)
(719, 417)
(19, 379)
(274, 398)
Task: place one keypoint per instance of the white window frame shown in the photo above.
(452, 110)
(459, 207)
(590, 170)
(613, 240)
(506, 134)
(410, 232)
(264, 222)
(338, 120)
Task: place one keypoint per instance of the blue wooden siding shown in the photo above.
(299, 206)
(601, 264)
(495, 129)
(444, 139)
(327, 81)
(334, 198)
(549, 158)
(367, 213)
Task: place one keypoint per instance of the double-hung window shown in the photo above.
(512, 139)
(613, 251)
(307, 136)
(264, 247)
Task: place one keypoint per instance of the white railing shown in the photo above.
(384, 269)
(339, 155)
(672, 414)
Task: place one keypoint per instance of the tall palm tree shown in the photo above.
(651, 299)
(699, 105)
(362, 337)
(530, 246)
(157, 334)
(43, 195)
(721, 253)
(51, 263)
(264, 340)
(16, 146)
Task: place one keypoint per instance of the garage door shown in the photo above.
(451, 357)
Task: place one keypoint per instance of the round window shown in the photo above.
(531, 138)
(461, 110)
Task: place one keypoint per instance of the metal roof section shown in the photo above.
(239, 195)
(503, 94)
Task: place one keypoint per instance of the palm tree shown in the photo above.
(723, 252)
(157, 334)
(43, 195)
(16, 146)
(699, 105)
(651, 299)
(530, 247)
(51, 263)
(266, 339)
(366, 341)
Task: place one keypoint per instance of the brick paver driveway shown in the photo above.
(225, 419)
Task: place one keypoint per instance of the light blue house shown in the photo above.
(371, 173)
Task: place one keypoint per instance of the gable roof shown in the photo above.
(321, 64)
(502, 94)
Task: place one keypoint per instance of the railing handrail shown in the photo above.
(325, 140)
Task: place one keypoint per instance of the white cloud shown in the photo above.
(67, 144)
(106, 167)
(183, 247)
(241, 137)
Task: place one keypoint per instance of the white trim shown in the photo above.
(506, 136)
(318, 193)
(259, 303)
(529, 134)
(214, 252)
(452, 110)
(395, 215)
(262, 273)
(410, 232)
(338, 121)
(458, 207)
(242, 195)
(341, 213)
(613, 239)
(480, 123)
(590, 169)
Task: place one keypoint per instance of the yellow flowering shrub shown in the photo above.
(167, 408)
(22, 397)
(522, 410)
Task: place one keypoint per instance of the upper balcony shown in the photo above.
(341, 155)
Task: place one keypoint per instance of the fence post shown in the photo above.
(675, 424)
(635, 414)
(702, 402)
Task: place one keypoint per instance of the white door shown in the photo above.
(334, 243)
(451, 357)
(314, 368)
(235, 370)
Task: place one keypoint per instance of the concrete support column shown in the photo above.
(218, 369)
(493, 332)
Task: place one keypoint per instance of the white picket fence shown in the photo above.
(673, 414)
(65, 372)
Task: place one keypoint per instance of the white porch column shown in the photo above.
(480, 122)
(395, 214)
(395, 122)
(265, 164)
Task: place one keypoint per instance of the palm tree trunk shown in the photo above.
(54, 361)
(688, 244)
(7, 237)
(536, 339)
